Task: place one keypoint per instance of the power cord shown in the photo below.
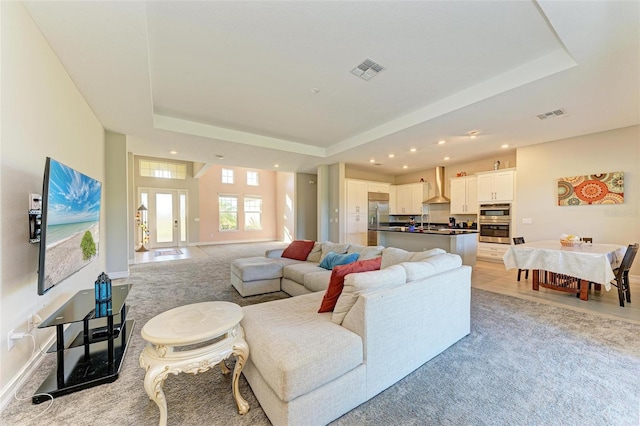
(15, 393)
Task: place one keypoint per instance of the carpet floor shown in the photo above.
(524, 363)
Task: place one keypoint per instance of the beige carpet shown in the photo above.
(524, 363)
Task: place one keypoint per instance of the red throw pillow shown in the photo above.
(298, 249)
(336, 283)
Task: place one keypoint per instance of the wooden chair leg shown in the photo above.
(519, 272)
(621, 294)
(526, 274)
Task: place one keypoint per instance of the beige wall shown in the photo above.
(43, 114)
(540, 166)
(285, 206)
(306, 202)
(211, 187)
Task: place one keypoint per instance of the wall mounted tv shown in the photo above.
(70, 223)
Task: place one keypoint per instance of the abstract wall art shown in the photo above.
(600, 188)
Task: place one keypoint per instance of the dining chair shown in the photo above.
(622, 274)
(516, 241)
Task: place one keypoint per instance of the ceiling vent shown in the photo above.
(367, 69)
(555, 113)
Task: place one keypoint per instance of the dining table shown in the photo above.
(566, 268)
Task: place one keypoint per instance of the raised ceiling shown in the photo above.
(261, 83)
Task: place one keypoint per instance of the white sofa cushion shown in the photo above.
(316, 253)
(366, 252)
(259, 268)
(295, 348)
(431, 266)
(338, 248)
(317, 281)
(363, 282)
(393, 256)
(296, 272)
(421, 255)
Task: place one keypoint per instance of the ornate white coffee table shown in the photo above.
(214, 322)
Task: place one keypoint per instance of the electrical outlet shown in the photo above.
(10, 341)
(527, 220)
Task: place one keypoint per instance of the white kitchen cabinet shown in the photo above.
(492, 251)
(464, 195)
(357, 228)
(357, 199)
(393, 202)
(496, 186)
(409, 198)
(378, 187)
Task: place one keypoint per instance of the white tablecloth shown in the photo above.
(592, 262)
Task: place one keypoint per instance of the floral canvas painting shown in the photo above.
(601, 188)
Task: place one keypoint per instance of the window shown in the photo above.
(252, 213)
(159, 169)
(228, 207)
(227, 176)
(252, 178)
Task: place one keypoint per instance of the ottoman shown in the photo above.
(257, 275)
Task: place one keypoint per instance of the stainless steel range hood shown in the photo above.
(439, 198)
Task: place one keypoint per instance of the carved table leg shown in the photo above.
(224, 368)
(153, 382)
(241, 352)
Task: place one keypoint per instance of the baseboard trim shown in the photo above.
(211, 243)
(118, 274)
(8, 392)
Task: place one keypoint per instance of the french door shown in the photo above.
(166, 216)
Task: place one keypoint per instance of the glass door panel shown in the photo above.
(164, 219)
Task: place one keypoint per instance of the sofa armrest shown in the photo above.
(274, 253)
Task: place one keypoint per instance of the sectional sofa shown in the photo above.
(309, 368)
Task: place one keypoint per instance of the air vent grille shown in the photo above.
(367, 69)
(551, 114)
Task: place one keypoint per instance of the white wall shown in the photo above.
(117, 218)
(540, 166)
(285, 207)
(42, 114)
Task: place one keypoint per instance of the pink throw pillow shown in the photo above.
(336, 283)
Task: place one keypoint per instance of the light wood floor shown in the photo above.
(493, 277)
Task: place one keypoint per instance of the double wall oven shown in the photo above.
(495, 223)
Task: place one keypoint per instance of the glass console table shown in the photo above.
(89, 352)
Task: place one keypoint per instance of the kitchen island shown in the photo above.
(462, 242)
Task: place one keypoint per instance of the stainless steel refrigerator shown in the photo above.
(378, 215)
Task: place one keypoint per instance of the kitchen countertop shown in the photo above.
(439, 231)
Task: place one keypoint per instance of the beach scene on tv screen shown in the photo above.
(73, 222)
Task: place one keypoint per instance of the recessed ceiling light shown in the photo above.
(219, 157)
(315, 90)
(446, 158)
(473, 134)
(413, 150)
(173, 152)
(442, 142)
(391, 155)
(505, 146)
(405, 167)
(276, 165)
(372, 160)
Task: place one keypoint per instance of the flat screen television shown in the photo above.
(70, 234)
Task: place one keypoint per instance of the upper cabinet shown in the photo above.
(409, 198)
(378, 187)
(496, 186)
(357, 199)
(464, 195)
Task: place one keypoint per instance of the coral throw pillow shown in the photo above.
(298, 249)
(337, 280)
